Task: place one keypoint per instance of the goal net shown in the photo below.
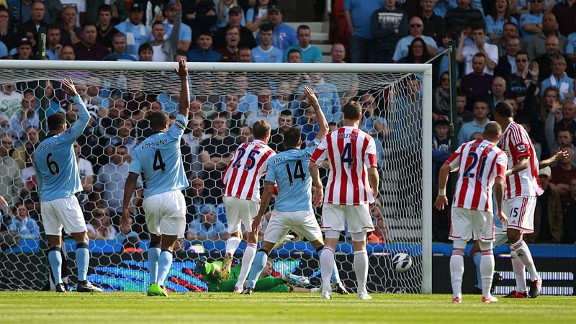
(226, 100)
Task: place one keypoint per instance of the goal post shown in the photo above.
(405, 199)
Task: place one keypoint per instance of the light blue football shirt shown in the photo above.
(55, 161)
(289, 169)
(159, 160)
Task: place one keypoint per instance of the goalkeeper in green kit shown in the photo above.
(268, 283)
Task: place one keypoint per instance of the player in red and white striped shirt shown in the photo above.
(352, 185)
(481, 165)
(523, 188)
(242, 197)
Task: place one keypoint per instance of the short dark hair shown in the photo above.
(260, 129)
(145, 47)
(57, 120)
(302, 27)
(294, 50)
(206, 32)
(292, 137)
(158, 119)
(352, 110)
(88, 24)
(266, 27)
(157, 22)
(104, 7)
(503, 109)
(521, 52)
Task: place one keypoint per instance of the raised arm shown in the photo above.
(182, 72)
(313, 101)
(83, 115)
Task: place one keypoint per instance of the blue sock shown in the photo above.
(164, 265)
(477, 258)
(55, 259)
(258, 264)
(82, 258)
(153, 254)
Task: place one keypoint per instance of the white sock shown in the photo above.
(247, 259)
(486, 271)
(326, 268)
(456, 272)
(232, 244)
(361, 269)
(519, 272)
(525, 256)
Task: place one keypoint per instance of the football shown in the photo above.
(401, 262)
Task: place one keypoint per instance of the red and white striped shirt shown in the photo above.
(351, 152)
(517, 144)
(242, 176)
(480, 163)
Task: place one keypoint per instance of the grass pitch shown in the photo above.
(72, 307)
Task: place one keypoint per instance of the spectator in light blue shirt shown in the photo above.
(284, 35)
(496, 20)
(328, 98)
(559, 79)
(135, 31)
(207, 226)
(3, 50)
(416, 27)
(309, 53)
(23, 224)
(266, 52)
(477, 125)
(531, 22)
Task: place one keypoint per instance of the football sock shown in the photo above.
(486, 270)
(327, 267)
(335, 275)
(519, 272)
(456, 272)
(247, 259)
(232, 245)
(153, 254)
(82, 259)
(477, 258)
(164, 264)
(257, 265)
(525, 256)
(361, 269)
(55, 259)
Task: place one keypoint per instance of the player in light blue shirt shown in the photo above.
(58, 181)
(293, 207)
(159, 159)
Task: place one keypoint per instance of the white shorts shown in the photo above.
(472, 224)
(238, 212)
(63, 212)
(520, 212)
(165, 213)
(334, 217)
(303, 223)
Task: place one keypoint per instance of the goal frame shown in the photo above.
(425, 70)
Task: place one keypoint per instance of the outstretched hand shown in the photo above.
(182, 70)
(68, 87)
(311, 98)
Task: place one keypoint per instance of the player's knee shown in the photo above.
(359, 237)
(485, 246)
(263, 249)
(319, 249)
(154, 245)
(513, 236)
(459, 245)
(81, 245)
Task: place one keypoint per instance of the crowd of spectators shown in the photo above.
(202, 31)
(518, 51)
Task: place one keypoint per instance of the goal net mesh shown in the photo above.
(119, 101)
